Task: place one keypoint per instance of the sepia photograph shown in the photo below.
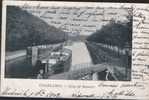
(68, 43)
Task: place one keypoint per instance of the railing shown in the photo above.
(115, 49)
(82, 72)
(104, 53)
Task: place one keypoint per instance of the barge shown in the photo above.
(51, 60)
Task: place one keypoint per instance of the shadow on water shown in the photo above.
(18, 68)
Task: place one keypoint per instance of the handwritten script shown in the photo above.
(81, 20)
(86, 20)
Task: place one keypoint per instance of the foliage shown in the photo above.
(24, 29)
(115, 33)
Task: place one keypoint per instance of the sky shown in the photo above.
(78, 20)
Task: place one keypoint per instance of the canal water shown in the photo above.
(80, 55)
(20, 67)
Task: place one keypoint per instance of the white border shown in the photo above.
(22, 84)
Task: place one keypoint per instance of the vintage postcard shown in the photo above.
(75, 50)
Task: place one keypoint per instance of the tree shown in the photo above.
(114, 33)
(23, 30)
